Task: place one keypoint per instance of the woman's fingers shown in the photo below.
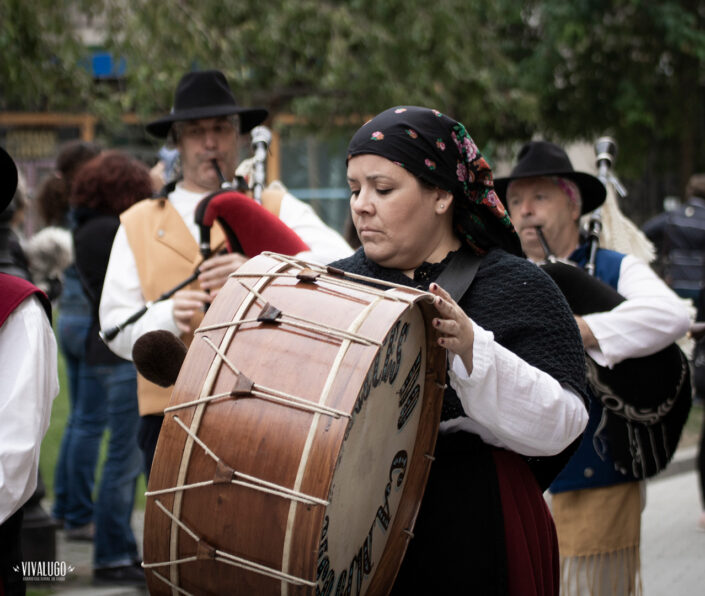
(447, 307)
(453, 325)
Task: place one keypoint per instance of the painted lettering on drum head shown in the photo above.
(373, 462)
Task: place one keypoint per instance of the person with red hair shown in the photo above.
(74, 473)
(103, 188)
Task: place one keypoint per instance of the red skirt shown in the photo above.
(529, 532)
(483, 527)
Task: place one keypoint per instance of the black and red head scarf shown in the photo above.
(439, 151)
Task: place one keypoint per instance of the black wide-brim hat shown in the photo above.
(8, 179)
(205, 94)
(541, 158)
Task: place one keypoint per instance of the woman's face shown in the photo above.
(400, 222)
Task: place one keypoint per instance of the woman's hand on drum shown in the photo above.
(186, 304)
(215, 271)
(453, 326)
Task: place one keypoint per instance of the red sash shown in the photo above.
(530, 535)
(13, 291)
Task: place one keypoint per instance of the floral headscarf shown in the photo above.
(438, 150)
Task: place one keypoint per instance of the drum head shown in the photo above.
(369, 480)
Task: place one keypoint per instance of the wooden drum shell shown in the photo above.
(269, 441)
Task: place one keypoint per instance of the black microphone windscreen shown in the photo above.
(158, 356)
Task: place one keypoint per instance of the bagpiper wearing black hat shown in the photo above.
(156, 247)
(157, 244)
(205, 94)
(597, 498)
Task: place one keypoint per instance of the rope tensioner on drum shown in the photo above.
(224, 474)
(206, 551)
(271, 314)
(311, 272)
(246, 387)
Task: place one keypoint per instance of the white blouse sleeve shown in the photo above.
(651, 317)
(122, 297)
(28, 369)
(511, 404)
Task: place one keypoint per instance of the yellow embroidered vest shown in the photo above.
(166, 254)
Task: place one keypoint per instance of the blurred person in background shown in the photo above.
(103, 188)
(74, 475)
(679, 236)
(597, 498)
(49, 251)
(167, 168)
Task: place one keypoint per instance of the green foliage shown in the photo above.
(327, 60)
(41, 52)
(630, 68)
(508, 69)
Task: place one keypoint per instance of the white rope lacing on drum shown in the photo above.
(343, 283)
(340, 276)
(262, 392)
(246, 480)
(294, 321)
(222, 557)
(282, 398)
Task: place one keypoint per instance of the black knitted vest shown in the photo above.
(459, 545)
(515, 300)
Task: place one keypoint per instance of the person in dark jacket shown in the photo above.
(679, 235)
(102, 189)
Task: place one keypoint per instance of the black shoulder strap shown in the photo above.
(458, 275)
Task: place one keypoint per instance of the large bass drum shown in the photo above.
(298, 440)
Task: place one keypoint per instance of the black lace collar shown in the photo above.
(424, 274)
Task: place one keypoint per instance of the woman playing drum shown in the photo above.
(422, 196)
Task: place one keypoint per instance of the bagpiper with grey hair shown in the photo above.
(597, 497)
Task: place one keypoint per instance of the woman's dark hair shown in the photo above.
(72, 156)
(53, 195)
(111, 182)
(52, 201)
